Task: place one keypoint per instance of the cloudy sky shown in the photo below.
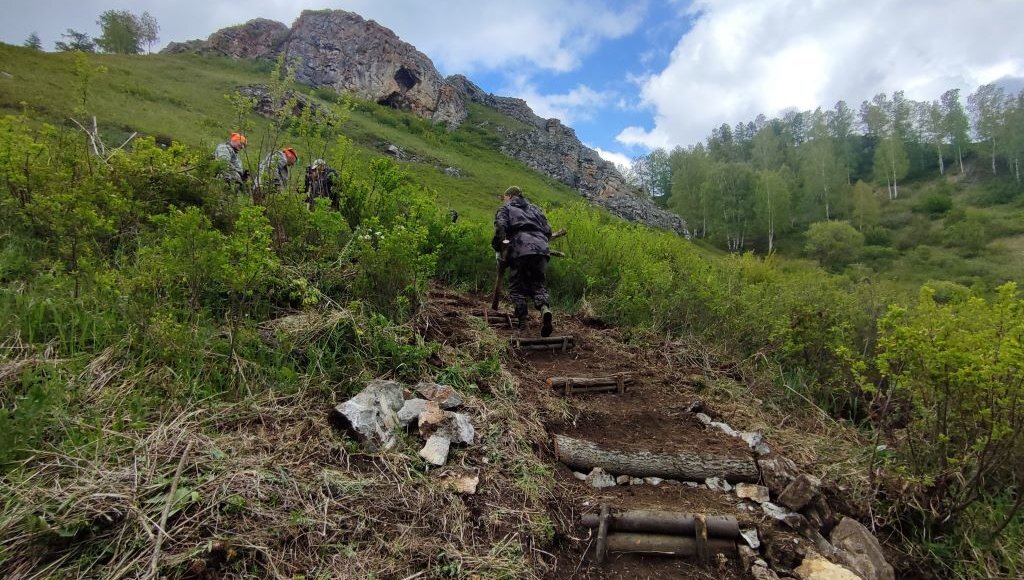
(633, 75)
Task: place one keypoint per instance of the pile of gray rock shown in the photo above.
(379, 411)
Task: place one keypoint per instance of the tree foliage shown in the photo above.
(75, 41)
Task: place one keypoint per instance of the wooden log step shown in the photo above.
(662, 522)
(548, 347)
(561, 382)
(586, 385)
(583, 456)
(680, 546)
(536, 340)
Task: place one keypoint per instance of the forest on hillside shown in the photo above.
(760, 183)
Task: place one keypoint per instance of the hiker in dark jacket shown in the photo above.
(320, 181)
(521, 234)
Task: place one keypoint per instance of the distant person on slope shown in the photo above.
(274, 169)
(521, 235)
(228, 152)
(320, 181)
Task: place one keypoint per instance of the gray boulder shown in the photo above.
(372, 415)
(864, 553)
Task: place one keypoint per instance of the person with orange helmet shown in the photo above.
(233, 173)
(275, 167)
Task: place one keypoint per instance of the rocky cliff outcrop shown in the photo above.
(339, 49)
(259, 38)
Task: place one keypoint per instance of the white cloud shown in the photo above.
(616, 158)
(745, 57)
(463, 36)
(579, 104)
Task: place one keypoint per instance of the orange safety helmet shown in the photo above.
(239, 139)
(290, 155)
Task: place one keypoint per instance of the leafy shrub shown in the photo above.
(834, 244)
(935, 203)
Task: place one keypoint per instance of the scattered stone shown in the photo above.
(636, 481)
(431, 418)
(410, 411)
(372, 415)
(763, 573)
(455, 426)
(818, 568)
(598, 478)
(865, 553)
(747, 557)
(758, 493)
(696, 407)
(725, 428)
(672, 481)
(777, 473)
(653, 480)
(760, 563)
(755, 441)
(452, 172)
(394, 151)
(579, 476)
(750, 536)
(6, 74)
(445, 395)
(717, 483)
(821, 515)
(777, 513)
(436, 450)
(691, 484)
(704, 419)
(464, 484)
(800, 492)
(622, 480)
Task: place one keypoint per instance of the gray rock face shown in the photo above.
(410, 411)
(371, 416)
(259, 38)
(342, 50)
(598, 478)
(864, 552)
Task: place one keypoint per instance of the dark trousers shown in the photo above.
(526, 281)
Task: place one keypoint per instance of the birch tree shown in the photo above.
(987, 106)
(955, 124)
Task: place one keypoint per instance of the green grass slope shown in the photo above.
(182, 97)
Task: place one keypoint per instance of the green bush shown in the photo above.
(834, 244)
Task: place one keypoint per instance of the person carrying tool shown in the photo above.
(521, 235)
(274, 169)
(320, 180)
(228, 153)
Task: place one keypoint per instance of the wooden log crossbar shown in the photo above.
(583, 455)
(668, 533)
(550, 343)
(583, 385)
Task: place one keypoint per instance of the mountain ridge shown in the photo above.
(344, 51)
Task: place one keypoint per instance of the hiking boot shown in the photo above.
(546, 327)
(522, 315)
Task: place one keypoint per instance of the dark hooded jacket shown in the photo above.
(524, 225)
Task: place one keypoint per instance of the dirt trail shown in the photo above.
(652, 415)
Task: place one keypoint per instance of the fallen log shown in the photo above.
(592, 390)
(685, 465)
(533, 340)
(661, 522)
(549, 347)
(583, 382)
(668, 545)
